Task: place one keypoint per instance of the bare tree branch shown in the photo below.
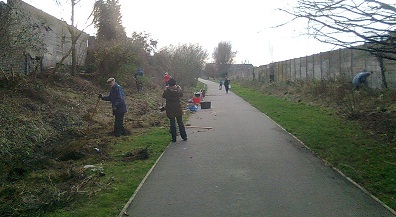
(357, 24)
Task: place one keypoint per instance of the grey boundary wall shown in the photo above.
(332, 65)
(54, 35)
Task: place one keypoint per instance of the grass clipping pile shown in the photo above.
(49, 128)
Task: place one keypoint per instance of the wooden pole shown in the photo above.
(207, 128)
(5, 75)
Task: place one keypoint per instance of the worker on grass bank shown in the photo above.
(360, 79)
(117, 99)
(174, 110)
(139, 79)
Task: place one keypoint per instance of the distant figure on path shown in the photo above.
(221, 84)
(226, 84)
(360, 79)
(174, 110)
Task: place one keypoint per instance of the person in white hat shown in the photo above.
(166, 78)
(117, 99)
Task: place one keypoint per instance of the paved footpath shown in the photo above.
(245, 166)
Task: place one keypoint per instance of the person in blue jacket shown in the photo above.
(117, 99)
(360, 79)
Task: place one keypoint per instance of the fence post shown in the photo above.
(321, 65)
(340, 59)
(329, 74)
(306, 67)
(313, 67)
(351, 56)
(300, 69)
(281, 71)
(295, 70)
(290, 67)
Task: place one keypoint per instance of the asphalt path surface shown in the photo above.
(246, 165)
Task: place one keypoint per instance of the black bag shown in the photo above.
(162, 106)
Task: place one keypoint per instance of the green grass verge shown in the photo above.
(342, 143)
(200, 86)
(121, 178)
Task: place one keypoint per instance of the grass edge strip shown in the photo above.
(333, 167)
(123, 211)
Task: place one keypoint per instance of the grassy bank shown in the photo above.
(342, 143)
(58, 156)
(121, 175)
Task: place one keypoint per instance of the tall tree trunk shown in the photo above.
(74, 41)
(384, 84)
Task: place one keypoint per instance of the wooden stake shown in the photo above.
(95, 109)
(5, 75)
(208, 128)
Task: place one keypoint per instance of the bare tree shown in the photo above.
(223, 57)
(74, 38)
(74, 35)
(210, 70)
(366, 25)
(184, 62)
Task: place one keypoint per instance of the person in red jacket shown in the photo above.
(196, 99)
(166, 78)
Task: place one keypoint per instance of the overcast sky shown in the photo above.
(246, 24)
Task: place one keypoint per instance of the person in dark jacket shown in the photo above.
(117, 99)
(360, 79)
(173, 94)
(226, 84)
